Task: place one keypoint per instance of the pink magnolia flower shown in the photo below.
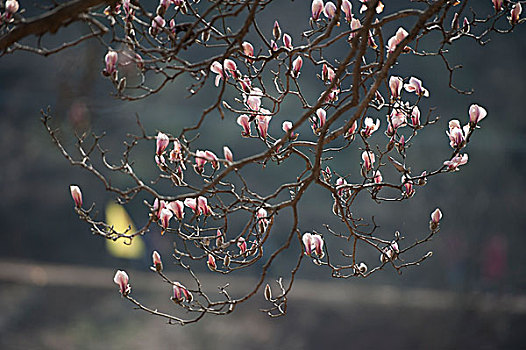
(415, 85)
(157, 25)
(157, 263)
(200, 161)
(330, 10)
(228, 155)
(273, 46)
(287, 41)
(318, 245)
(395, 40)
(252, 99)
(243, 121)
(177, 208)
(436, 216)
(408, 187)
(204, 208)
(296, 66)
(211, 262)
(476, 114)
(76, 194)
(111, 59)
(162, 142)
(453, 164)
(368, 160)
(287, 126)
(164, 5)
(248, 50)
(415, 116)
(327, 73)
(11, 7)
(456, 134)
(158, 205)
(515, 13)
(242, 245)
(351, 130)
(347, 10)
(177, 153)
(319, 121)
(165, 216)
(219, 238)
(159, 160)
(192, 204)
(370, 126)
(390, 252)
(401, 142)
(262, 219)
(340, 186)
(230, 67)
(395, 85)
(313, 243)
(172, 26)
(316, 8)
(127, 9)
(327, 173)
(262, 122)
(379, 6)
(332, 96)
(355, 25)
(497, 4)
(212, 158)
(378, 177)
(307, 242)
(217, 68)
(181, 293)
(397, 118)
(121, 279)
(177, 3)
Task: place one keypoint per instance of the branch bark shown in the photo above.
(50, 21)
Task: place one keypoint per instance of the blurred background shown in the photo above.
(56, 288)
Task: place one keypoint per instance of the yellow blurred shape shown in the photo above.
(117, 217)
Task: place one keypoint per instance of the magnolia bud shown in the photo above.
(157, 263)
(362, 268)
(121, 279)
(211, 262)
(276, 31)
(76, 194)
(268, 292)
(226, 261)
(435, 219)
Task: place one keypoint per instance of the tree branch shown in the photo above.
(50, 21)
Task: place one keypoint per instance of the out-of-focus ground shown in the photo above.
(51, 306)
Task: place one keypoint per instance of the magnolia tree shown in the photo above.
(212, 213)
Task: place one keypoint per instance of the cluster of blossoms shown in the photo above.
(345, 110)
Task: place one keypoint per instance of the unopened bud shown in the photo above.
(362, 268)
(157, 263)
(268, 292)
(276, 31)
